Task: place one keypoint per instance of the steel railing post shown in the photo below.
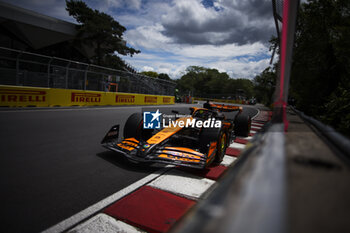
(67, 70)
(85, 76)
(17, 68)
(48, 72)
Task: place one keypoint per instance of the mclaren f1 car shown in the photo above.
(191, 146)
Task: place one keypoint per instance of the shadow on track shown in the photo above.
(121, 162)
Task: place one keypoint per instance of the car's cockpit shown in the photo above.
(207, 114)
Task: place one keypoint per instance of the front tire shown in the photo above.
(133, 128)
(221, 148)
(209, 135)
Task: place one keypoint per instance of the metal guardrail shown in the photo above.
(337, 140)
(252, 197)
(29, 69)
(256, 203)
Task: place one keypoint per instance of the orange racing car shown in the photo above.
(190, 145)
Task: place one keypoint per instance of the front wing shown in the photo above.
(142, 152)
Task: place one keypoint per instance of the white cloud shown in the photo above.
(224, 51)
(147, 68)
(193, 12)
(175, 34)
(148, 14)
(135, 4)
(162, 51)
(240, 68)
(108, 5)
(148, 37)
(241, 22)
(178, 56)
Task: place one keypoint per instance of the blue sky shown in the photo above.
(229, 35)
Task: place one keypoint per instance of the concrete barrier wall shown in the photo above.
(15, 96)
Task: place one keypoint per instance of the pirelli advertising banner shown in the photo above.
(23, 97)
(14, 96)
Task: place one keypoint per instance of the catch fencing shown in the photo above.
(21, 68)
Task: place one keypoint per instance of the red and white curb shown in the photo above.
(158, 201)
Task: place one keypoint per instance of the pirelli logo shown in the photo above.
(12, 95)
(125, 99)
(151, 99)
(166, 99)
(85, 97)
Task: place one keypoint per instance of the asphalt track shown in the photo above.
(52, 165)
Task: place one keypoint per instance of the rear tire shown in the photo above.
(133, 128)
(242, 125)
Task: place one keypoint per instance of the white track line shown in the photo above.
(228, 160)
(183, 184)
(237, 145)
(103, 223)
(256, 114)
(249, 138)
(75, 219)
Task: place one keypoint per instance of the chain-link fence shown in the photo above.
(29, 69)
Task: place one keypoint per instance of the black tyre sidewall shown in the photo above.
(209, 135)
(220, 154)
(133, 126)
(242, 125)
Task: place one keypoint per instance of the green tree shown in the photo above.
(101, 32)
(321, 62)
(337, 109)
(113, 61)
(164, 76)
(244, 84)
(264, 86)
(150, 74)
(207, 82)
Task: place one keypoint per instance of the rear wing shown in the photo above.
(226, 108)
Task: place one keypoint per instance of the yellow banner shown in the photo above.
(15, 96)
(24, 96)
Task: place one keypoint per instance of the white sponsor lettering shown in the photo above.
(190, 122)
